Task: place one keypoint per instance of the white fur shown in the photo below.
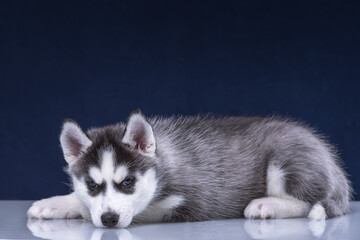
(73, 131)
(278, 204)
(317, 212)
(156, 212)
(275, 181)
(273, 207)
(107, 172)
(107, 166)
(120, 174)
(96, 175)
(170, 202)
(67, 206)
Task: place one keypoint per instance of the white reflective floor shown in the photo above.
(15, 225)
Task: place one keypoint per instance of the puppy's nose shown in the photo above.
(109, 219)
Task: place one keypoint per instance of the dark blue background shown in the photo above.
(96, 61)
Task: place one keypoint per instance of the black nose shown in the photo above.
(109, 219)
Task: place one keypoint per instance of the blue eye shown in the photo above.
(128, 182)
(92, 184)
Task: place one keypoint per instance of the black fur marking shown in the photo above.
(110, 139)
(101, 188)
(125, 189)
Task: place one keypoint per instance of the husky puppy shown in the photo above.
(195, 169)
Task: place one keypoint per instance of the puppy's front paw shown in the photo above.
(52, 208)
(260, 208)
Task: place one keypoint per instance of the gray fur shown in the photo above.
(220, 164)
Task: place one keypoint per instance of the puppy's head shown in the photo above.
(112, 168)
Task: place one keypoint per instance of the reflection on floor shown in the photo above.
(345, 227)
(256, 229)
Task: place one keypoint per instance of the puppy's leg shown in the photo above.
(274, 207)
(68, 206)
(278, 204)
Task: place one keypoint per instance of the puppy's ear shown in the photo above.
(74, 141)
(139, 134)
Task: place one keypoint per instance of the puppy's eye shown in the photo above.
(92, 184)
(128, 182)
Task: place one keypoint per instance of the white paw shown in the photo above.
(53, 208)
(260, 208)
(317, 212)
